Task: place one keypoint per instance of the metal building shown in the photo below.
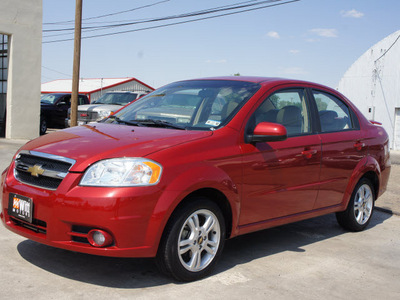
(95, 87)
(373, 84)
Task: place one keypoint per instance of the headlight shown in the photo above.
(103, 114)
(122, 172)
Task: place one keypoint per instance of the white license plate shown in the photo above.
(20, 207)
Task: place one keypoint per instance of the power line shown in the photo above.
(125, 21)
(108, 15)
(387, 49)
(239, 5)
(69, 75)
(184, 22)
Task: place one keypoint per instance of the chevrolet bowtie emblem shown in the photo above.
(36, 170)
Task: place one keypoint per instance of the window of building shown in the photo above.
(3, 81)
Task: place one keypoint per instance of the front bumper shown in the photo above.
(62, 218)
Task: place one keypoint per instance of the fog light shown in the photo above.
(99, 238)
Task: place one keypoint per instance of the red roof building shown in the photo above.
(95, 87)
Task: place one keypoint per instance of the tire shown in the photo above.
(360, 209)
(43, 126)
(193, 240)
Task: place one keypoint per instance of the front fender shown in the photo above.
(186, 183)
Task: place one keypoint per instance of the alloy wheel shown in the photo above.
(199, 240)
(363, 204)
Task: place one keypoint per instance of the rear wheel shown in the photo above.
(193, 240)
(360, 209)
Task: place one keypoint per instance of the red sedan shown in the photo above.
(195, 162)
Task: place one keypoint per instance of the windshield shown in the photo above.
(201, 104)
(49, 98)
(116, 98)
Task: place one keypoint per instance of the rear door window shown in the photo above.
(334, 115)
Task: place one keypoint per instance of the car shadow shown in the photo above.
(293, 237)
(133, 273)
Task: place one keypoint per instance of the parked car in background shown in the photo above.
(54, 109)
(239, 154)
(104, 106)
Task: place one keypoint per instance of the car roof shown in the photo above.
(273, 81)
(126, 92)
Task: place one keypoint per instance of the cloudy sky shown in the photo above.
(315, 40)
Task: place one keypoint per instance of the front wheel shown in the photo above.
(193, 240)
(43, 126)
(360, 209)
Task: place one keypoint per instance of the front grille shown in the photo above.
(41, 169)
(50, 164)
(41, 181)
(79, 234)
(87, 116)
(38, 226)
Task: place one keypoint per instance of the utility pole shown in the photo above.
(77, 60)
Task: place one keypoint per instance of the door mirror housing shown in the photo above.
(268, 132)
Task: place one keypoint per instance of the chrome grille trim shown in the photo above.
(50, 169)
(51, 156)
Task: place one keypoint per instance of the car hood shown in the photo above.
(90, 143)
(98, 107)
(46, 105)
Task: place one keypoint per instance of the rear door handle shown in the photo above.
(359, 146)
(308, 153)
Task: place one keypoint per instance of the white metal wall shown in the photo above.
(372, 83)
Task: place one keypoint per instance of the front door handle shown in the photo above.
(308, 153)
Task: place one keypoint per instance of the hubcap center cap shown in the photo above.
(200, 240)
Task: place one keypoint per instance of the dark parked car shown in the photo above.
(178, 171)
(54, 109)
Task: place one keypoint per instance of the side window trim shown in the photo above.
(315, 122)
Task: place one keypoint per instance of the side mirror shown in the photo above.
(268, 132)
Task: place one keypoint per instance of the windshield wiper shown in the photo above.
(132, 122)
(160, 123)
(148, 122)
